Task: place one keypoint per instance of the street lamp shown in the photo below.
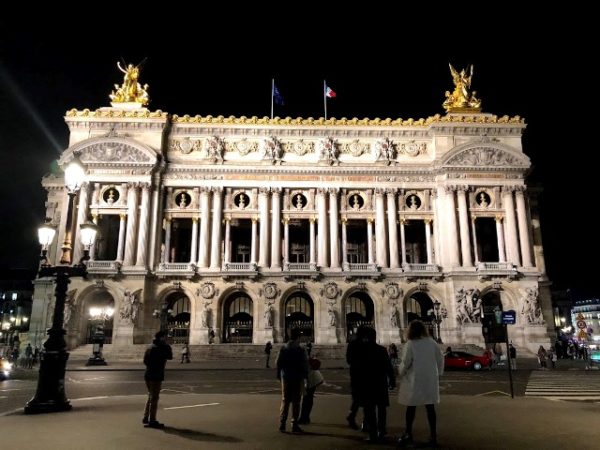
(50, 394)
(437, 317)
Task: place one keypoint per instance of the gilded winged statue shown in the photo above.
(461, 100)
(131, 91)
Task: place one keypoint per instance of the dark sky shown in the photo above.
(381, 64)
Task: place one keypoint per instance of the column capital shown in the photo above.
(499, 218)
(145, 186)
(450, 189)
(427, 220)
(519, 189)
(276, 191)
(473, 219)
(195, 219)
(122, 216)
(463, 188)
(285, 220)
(391, 192)
(205, 189)
(333, 191)
(370, 219)
(312, 219)
(379, 192)
(217, 189)
(402, 221)
(322, 191)
(254, 219)
(508, 189)
(343, 219)
(133, 184)
(264, 190)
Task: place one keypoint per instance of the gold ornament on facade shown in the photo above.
(131, 91)
(461, 99)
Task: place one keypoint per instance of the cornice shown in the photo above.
(102, 113)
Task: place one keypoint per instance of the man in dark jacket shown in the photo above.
(292, 370)
(155, 358)
(375, 376)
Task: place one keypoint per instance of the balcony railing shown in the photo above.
(103, 267)
(176, 269)
(360, 267)
(421, 268)
(495, 266)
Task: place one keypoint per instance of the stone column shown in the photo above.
(286, 241)
(93, 249)
(370, 240)
(381, 237)
(203, 249)
(333, 228)
(194, 249)
(512, 245)
(96, 194)
(276, 228)
(474, 228)
(523, 227)
(82, 213)
(142, 244)
(132, 215)
(463, 216)
(121, 244)
(322, 227)
(156, 221)
(428, 241)
(392, 227)
(263, 209)
(344, 244)
(450, 241)
(403, 241)
(253, 241)
(227, 240)
(313, 257)
(500, 234)
(217, 219)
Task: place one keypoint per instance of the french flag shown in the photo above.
(329, 92)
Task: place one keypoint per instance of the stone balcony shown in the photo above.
(239, 270)
(418, 270)
(103, 267)
(300, 270)
(496, 269)
(186, 270)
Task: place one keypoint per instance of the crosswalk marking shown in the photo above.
(561, 385)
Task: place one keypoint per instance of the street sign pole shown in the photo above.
(512, 391)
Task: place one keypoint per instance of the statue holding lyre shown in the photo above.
(131, 91)
(461, 100)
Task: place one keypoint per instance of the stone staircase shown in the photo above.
(204, 352)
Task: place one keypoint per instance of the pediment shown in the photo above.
(481, 155)
(111, 151)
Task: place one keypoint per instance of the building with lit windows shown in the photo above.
(240, 228)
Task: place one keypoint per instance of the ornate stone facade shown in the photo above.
(242, 228)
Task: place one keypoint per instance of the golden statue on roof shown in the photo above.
(131, 91)
(461, 100)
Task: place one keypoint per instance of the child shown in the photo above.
(314, 379)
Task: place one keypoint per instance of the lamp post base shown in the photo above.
(50, 395)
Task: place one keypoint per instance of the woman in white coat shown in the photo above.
(422, 365)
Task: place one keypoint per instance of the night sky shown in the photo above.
(380, 63)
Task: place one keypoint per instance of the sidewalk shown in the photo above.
(247, 421)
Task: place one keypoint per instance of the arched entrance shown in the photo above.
(492, 330)
(178, 320)
(359, 310)
(100, 312)
(299, 313)
(419, 306)
(238, 321)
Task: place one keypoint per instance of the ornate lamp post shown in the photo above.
(50, 395)
(437, 317)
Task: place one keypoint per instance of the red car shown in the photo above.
(464, 360)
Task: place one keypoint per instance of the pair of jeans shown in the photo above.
(152, 402)
(291, 393)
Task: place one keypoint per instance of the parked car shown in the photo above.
(5, 368)
(464, 360)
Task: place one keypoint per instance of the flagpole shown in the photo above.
(325, 97)
(272, 93)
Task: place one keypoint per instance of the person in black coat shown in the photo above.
(375, 377)
(351, 358)
(155, 359)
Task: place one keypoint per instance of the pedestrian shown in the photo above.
(393, 354)
(314, 379)
(542, 355)
(309, 348)
(155, 359)
(375, 378)
(211, 336)
(185, 354)
(28, 356)
(512, 352)
(292, 370)
(268, 348)
(352, 352)
(420, 370)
